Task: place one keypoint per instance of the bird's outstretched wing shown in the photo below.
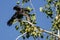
(9, 23)
(17, 15)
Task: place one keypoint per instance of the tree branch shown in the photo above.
(44, 30)
(40, 29)
(58, 34)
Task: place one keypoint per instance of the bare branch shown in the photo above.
(58, 34)
(32, 6)
(20, 35)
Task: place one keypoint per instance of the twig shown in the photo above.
(32, 6)
(58, 34)
(49, 32)
(20, 35)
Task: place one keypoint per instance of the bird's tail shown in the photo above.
(10, 22)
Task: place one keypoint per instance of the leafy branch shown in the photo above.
(51, 33)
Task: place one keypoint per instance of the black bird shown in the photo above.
(18, 15)
(20, 12)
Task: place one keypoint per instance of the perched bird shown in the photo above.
(20, 12)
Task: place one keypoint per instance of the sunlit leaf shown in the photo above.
(41, 9)
(18, 2)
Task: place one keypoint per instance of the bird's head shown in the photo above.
(17, 8)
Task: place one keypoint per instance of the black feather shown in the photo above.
(17, 8)
(9, 23)
(17, 15)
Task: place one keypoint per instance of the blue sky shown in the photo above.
(6, 12)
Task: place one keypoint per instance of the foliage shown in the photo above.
(50, 9)
(26, 27)
(53, 8)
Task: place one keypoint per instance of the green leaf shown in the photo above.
(18, 2)
(42, 36)
(25, 1)
(47, 37)
(16, 27)
(33, 17)
(27, 35)
(47, 6)
(29, 8)
(23, 37)
(49, 1)
(41, 9)
(22, 31)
